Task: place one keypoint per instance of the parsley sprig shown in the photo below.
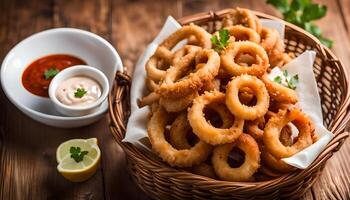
(302, 13)
(80, 93)
(291, 82)
(50, 73)
(77, 154)
(221, 42)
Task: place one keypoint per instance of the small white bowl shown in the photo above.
(91, 48)
(78, 70)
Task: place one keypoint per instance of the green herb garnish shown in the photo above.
(77, 154)
(302, 13)
(221, 42)
(80, 92)
(278, 79)
(50, 73)
(291, 83)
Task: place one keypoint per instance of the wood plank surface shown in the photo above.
(27, 148)
(132, 31)
(344, 6)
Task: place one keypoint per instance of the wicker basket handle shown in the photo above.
(119, 101)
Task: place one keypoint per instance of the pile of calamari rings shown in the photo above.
(216, 113)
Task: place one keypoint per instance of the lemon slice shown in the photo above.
(84, 169)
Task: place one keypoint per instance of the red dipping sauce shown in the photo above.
(37, 76)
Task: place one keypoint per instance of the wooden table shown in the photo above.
(27, 148)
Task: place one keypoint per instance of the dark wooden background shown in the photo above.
(27, 148)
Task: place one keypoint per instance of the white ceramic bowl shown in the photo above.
(78, 70)
(93, 49)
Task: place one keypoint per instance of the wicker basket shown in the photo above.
(160, 181)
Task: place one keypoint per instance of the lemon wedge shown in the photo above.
(81, 170)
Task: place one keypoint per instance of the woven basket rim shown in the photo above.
(276, 182)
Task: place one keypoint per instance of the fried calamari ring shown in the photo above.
(183, 59)
(181, 158)
(212, 85)
(148, 100)
(204, 169)
(243, 111)
(279, 92)
(314, 135)
(192, 40)
(202, 37)
(275, 163)
(225, 115)
(273, 129)
(177, 104)
(275, 106)
(241, 33)
(176, 86)
(244, 59)
(204, 130)
(279, 46)
(257, 24)
(246, 96)
(163, 52)
(157, 64)
(234, 50)
(243, 17)
(276, 55)
(255, 128)
(151, 84)
(269, 38)
(179, 130)
(185, 54)
(244, 172)
(281, 60)
(286, 135)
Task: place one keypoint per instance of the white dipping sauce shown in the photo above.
(65, 92)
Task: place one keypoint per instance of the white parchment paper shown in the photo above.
(309, 99)
(310, 103)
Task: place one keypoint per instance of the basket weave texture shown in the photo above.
(160, 181)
